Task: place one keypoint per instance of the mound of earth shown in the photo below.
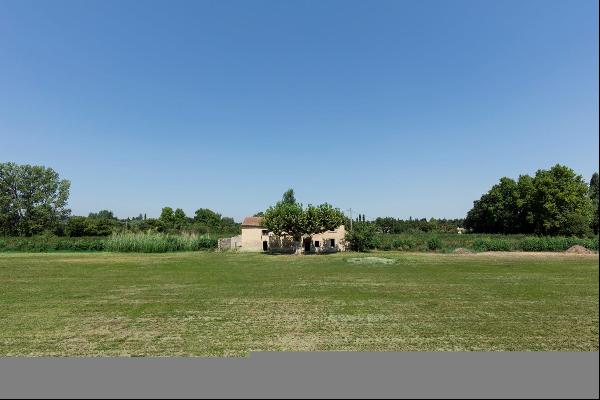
(577, 249)
(461, 250)
(370, 260)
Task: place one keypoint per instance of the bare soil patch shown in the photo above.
(370, 260)
(577, 249)
(461, 250)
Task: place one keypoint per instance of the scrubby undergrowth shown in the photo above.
(126, 242)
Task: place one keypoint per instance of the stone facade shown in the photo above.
(256, 238)
(232, 243)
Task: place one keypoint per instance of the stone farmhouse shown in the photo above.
(255, 237)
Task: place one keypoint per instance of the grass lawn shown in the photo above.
(226, 304)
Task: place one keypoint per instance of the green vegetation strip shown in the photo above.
(228, 304)
(419, 242)
(480, 242)
(123, 242)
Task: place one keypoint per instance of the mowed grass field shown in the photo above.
(227, 304)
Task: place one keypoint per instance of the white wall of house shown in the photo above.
(330, 241)
(322, 242)
(252, 238)
(232, 243)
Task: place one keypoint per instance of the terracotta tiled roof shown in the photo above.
(252, 221)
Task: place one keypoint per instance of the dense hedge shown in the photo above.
(480, 242)
(557, 243)
(143, 243)
(51, 243)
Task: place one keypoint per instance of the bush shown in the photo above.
(45, 243)
(491, 244)
(546, 243)
(362, 237)
(479, 242)
(434, 243)
(128, 242)
(387, 246)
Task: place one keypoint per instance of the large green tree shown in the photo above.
(207, 217)
(497, 210)
(561, 203)
(33, 199)
(291, 218)
(167, 217)
(102, 223)
(553, 202)
(179, 219)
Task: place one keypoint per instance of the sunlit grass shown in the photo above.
(229, 304)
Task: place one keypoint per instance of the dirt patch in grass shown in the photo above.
(370, 260)
(578, 250)
(461, 250)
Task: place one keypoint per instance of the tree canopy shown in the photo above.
(289, 217)
(33, 199)
(288, 197)
(553, 202)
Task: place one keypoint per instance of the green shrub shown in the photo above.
(491, 244)
(143, 243)
(362, 237)
(387, 246)
(405, 244)
(557, 243)
(44, 243)
(480, 242)
(434, 243)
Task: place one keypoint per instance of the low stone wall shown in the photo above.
(231, 243)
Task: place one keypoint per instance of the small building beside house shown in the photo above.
(255, 237)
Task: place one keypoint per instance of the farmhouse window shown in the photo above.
(332, 242)
(317, 244)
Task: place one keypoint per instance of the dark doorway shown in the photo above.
(265, 245)
(332, 243)
(306, 245)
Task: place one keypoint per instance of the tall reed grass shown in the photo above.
(157, 242)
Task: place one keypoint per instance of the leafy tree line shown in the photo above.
(33, 200)
(552, 202)
(203, 221)
(104, 223)
(396, 225)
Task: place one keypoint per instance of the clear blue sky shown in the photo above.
(394, 108)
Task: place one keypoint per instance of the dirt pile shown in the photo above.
(577, 249)
(461, 250)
